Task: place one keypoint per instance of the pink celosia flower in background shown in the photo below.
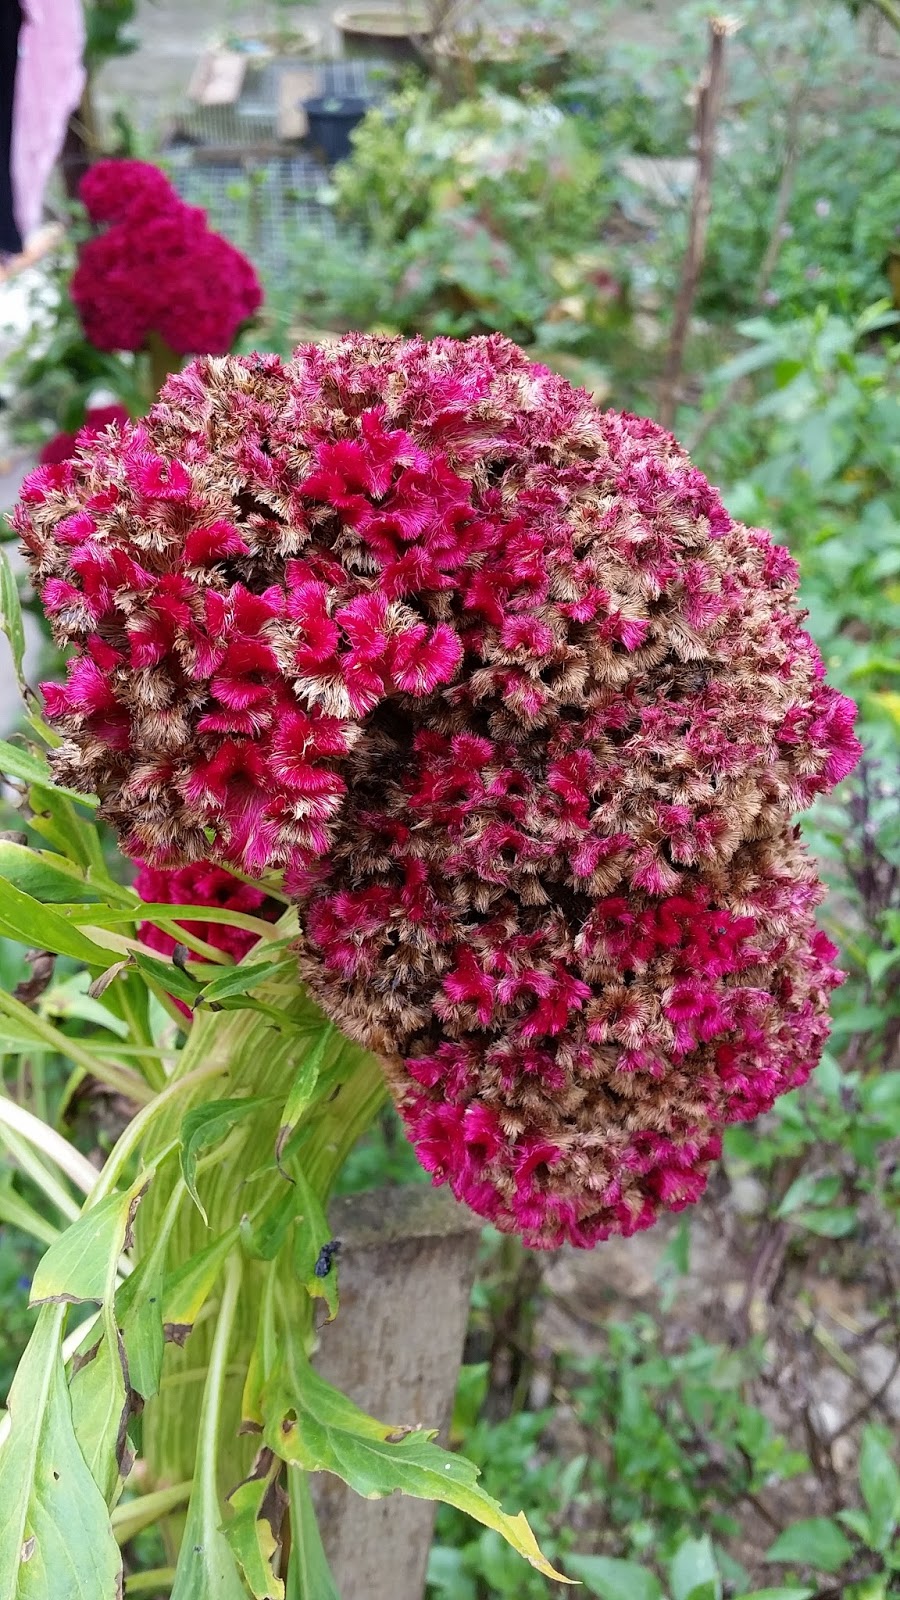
(96, 419)
(201, 884)
(112, 190)
(158, 268)
(516, 708)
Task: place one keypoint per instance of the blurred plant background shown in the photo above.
(709, 1410)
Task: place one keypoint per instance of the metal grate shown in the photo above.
(351, 78)
(263, 205)
(250, 121)
(261, 192)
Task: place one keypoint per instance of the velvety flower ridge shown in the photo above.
(520, 714)
(157, 268)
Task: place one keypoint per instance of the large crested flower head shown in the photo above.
(519, 712)
(113, 189)
(158, 268)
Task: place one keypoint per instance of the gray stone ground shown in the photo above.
(150, 84)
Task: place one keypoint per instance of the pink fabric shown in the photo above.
(49, 84)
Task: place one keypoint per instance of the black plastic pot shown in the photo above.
(332, 119)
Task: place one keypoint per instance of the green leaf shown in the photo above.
(55, 1535)
(312, 1232)
(810, 1189)
(815, 1542)
(879, 1482)
(11, 616)
(854, 1518)
(205, 1126)
(101, 1409)
(309, 1575)
(833, 1222)
(302, 1089)
(310, 1424)
(237, 980)
(170, 978)
(879, 963)
(29, 768)
(614, 1580)
(250, 1532)
(778, 1594)
(81, 1264)
(139, 1306)
(41, 928)
(44, 876)
(187, 1290)
(693, 1572)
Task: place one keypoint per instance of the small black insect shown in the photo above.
(180, 957)
(327, 1255)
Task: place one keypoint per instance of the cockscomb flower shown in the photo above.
(96, 418)
(112, 190)
(158, 268)
(201, 884)
(518, 711)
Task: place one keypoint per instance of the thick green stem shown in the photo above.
(162, 361)
(246, 1054)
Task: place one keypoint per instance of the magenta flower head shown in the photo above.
(201, 884)
(517, 712)
(157, 268)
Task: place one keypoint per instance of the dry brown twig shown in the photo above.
(709, 104)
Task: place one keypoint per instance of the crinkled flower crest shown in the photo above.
(157, 268)
(517, 709)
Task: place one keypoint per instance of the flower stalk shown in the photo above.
(242, 1183)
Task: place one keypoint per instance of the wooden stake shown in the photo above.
(709, 102)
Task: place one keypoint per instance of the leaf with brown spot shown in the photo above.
(258, 1506)
(55, 1535)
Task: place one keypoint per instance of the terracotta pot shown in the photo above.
(383, 33)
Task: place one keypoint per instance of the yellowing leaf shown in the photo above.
(256, 1504)
(188, 1288)
(311, 1425)
(81, 1264)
